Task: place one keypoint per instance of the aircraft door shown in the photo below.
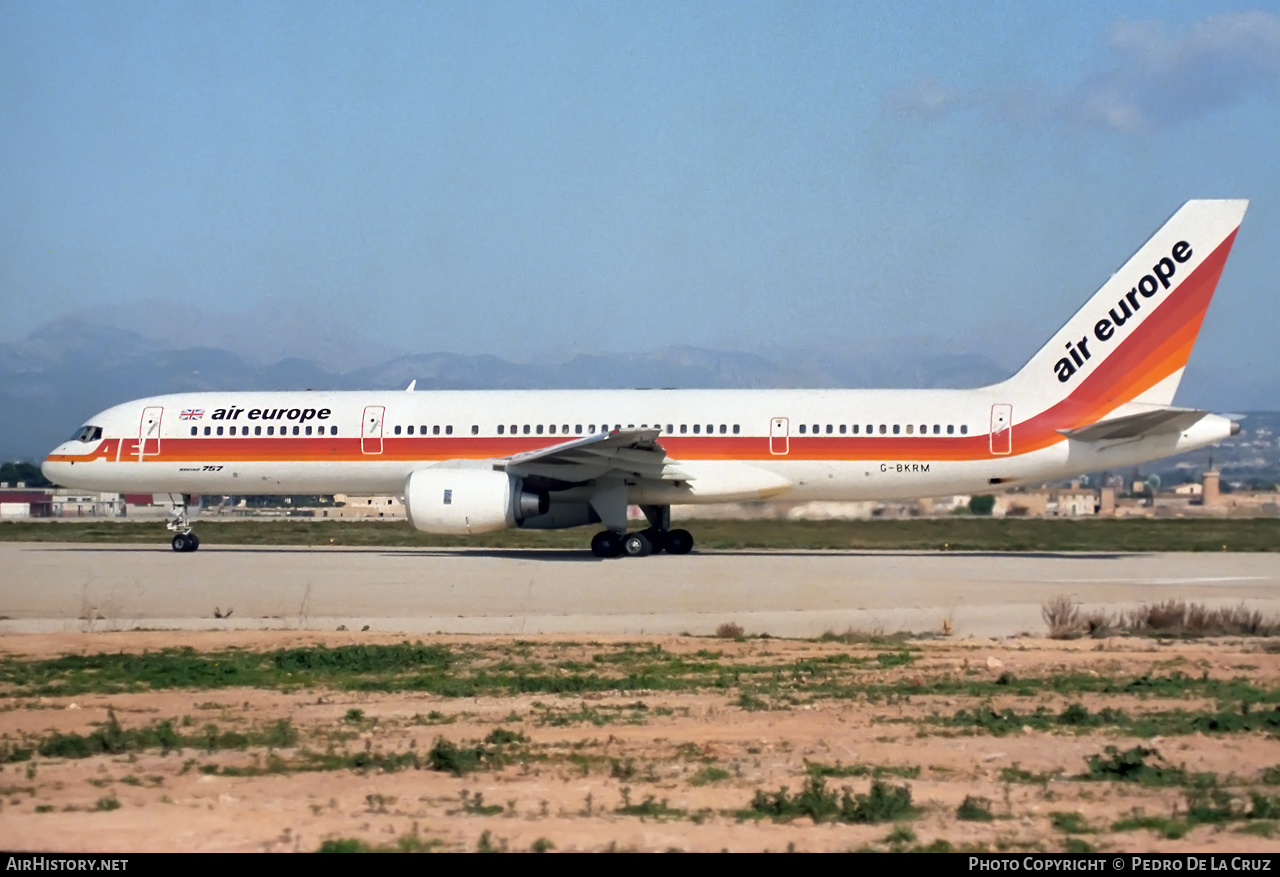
(149, 432)
(1001, 429)
(779, 440)
(371, 431)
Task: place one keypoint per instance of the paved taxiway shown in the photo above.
(66, 587)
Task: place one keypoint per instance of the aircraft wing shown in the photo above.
(630, 452)
(1161, 421)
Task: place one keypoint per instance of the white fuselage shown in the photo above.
(731, 445)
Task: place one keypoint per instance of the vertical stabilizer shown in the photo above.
(1131, 340)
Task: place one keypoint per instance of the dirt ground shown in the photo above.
(688, 762)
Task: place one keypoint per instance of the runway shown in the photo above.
(69, 587)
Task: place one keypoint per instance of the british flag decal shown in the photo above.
(191, 414)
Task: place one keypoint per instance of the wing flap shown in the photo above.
(634, 452)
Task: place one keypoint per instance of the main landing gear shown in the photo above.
(642, 543)
(179, 522)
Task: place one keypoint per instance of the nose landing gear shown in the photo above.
(185, 542)
(179, 521)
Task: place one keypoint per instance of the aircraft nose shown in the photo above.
(53, 469)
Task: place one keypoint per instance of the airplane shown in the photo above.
(1097, 396)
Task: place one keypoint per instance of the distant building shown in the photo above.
(364, 507)
(19, 504)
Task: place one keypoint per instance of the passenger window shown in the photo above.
(448, 430)
(219, 430)
(577, 429)
(271, 430)
(883, 429)
(842, 428)
(409, 429)
(936, 429)
(684, 428)
(552, 429)
(539, 429)
(397, 429)
(724, 428)
(964, 429)
(207, 430)
(871, 429)
(802, 429)
(816, 430)
(295, 430)
(435, 429)
(564, 429)
(950, 429)
(499, 429)
(475, 429)
(895, 429)
(591, 428)
(855, 429)
(924, 427)
(736, 429)
(257, 430)
(231, 430)
(309, 430)
(911, 428)
(829, 428)
(195, 430)
(697, 428)
(333, 430)
(422, 430)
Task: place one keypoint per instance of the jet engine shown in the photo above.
(467, 501)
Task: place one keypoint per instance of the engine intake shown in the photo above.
(468, 501)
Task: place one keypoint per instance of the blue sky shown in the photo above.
(514, 177)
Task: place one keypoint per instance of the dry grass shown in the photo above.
(1062, 616)
(1178, 618)
(1173, 618)
(730, 630)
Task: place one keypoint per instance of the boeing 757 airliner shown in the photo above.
(1097, 396)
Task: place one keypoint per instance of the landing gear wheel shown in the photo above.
(193, 541)
(179, 542)
(606, 543)
(679, 542)
(657, 538)
(637, 545)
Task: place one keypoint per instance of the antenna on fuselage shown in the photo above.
(413, 383)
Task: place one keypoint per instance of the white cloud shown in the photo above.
(927, 99)
(1163, 78)
(1158, 78)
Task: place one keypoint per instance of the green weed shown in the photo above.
(1131, 766)
(974, 810)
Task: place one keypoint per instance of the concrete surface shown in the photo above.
(68, 587)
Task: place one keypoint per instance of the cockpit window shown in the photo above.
(87, 434)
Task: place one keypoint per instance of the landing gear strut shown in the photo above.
(179, 522)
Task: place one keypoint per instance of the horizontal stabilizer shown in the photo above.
(1161, 421)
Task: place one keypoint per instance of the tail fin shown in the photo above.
(1131, 341)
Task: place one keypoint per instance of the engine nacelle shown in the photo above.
(467, 501)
